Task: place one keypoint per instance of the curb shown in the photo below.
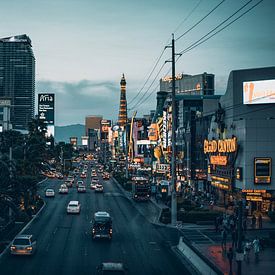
(27, 225)
(155, 222)
(192, 269)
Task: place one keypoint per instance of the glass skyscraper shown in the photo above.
(17, 78)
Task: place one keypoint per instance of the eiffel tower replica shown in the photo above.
(122, 116)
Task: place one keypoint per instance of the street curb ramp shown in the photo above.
(198, 261)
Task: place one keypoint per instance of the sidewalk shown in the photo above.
(265, 265)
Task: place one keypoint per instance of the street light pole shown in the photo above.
(174, 122)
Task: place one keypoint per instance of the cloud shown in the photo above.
(76, 100)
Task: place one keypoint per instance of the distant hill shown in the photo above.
(63, 133)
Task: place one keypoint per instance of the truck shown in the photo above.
(141, 188)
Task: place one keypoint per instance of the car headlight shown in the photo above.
(13, 247)
(29, 248)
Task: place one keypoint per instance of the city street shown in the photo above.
(65, 245)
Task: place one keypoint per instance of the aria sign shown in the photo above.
(220, 146)
(46, 108)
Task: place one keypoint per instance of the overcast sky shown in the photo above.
(82, 47)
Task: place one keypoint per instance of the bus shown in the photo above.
(141, 188)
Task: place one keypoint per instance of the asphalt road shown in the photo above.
(65, 245)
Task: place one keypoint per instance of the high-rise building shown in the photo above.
(122, 116)
(17, 78)
(92, 122)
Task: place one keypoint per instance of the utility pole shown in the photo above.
(174, 122)
(126, 156)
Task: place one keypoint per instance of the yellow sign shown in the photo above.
(253, 191)
(218, 160)
(220, 146)
(220, 185)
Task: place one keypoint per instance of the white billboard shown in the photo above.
(259, 92)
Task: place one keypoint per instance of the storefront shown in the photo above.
(221, 155)
(257, 200)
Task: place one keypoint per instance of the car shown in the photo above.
(99, 188)
(69, 183)
(93, 186)
(83, 175)
(59, 175)
(63, 189)
(23, 245)
(49, 193)
(102, 225)
(106, 176)
(95, 180)
(100, 170)
(73, 207)
(79, 182)
(81, 189)
(111, 268)
(94, 174)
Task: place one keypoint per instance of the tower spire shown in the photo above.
(122, 116)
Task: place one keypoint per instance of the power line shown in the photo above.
(148, 87)
(187, 17)
(202, 40)
(200, 21)
(161, 54)
(156, 63)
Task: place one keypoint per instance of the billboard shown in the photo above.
(262, 170)
(84, 140)
(46, 108)
(259, 92)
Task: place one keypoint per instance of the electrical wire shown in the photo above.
(148, 87)
(200, 20)
(200, 41)
(161, 54)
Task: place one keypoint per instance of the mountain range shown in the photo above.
(63, 133)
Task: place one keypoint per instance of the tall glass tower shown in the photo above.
(122, 116)
(17, 78)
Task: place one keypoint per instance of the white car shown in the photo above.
(99, 188)
(73, 207)
(63, 189)
(49, 193)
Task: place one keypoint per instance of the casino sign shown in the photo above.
(221, 154)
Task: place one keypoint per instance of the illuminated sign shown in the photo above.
(259, 92)
(46, 108)
(163, 168)
(169, 78)
(220, 185)
(220, 146)
(262, 170)
(164, 130)
(218, 160)
(220, 179)
(84, 140)
(153, 132)
(253, 191)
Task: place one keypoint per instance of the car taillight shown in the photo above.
(29, 248)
